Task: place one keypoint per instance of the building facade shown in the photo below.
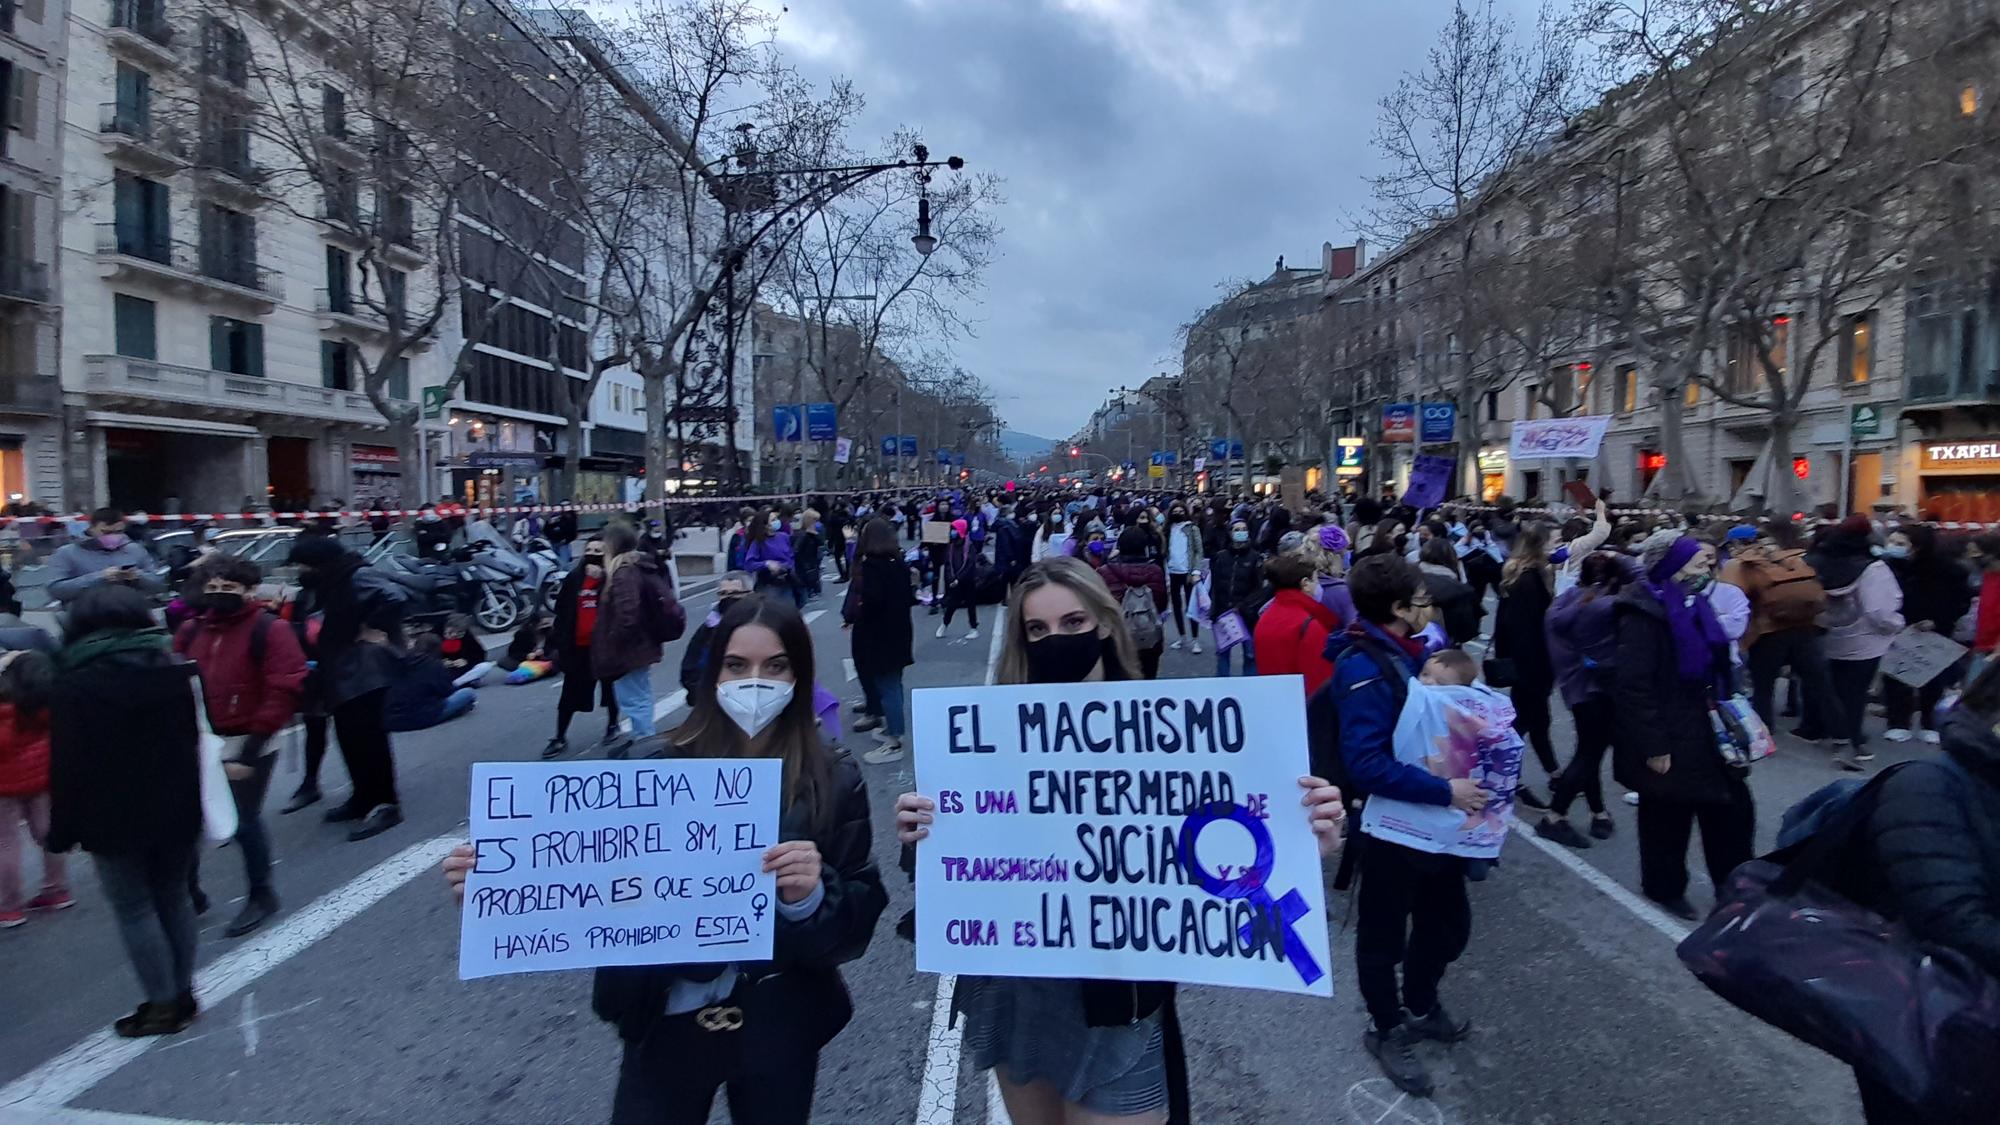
(32, 46)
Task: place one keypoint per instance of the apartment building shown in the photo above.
(32, 45)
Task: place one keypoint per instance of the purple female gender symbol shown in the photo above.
(1250, 883)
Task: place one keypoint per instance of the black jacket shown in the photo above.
(797, 998)
(1236, 574)
(1935, 589)
(349, 598)
(1935, 842)
(806, 555)
(1458, 606)
(884, 639)
(1010, 547)
(1519, 634)
(124, 772)
(1660, 714)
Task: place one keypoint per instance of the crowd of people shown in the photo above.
(1644, 623)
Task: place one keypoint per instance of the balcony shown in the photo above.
(233, 177)
(132, 141)
(1946, 389)
(24, 392)
(23, 281)
(144, 382)
(201, 273)
(140, 32)
(341, 313)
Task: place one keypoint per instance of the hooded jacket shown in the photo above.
(635, 614)
(78, 566)
(1583, 643)
(1291, 638)
(124, 774)
(1880, 599)
(1368, 712)
(243, 696)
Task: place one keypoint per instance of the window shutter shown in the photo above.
(253, 345)
(218, 343)
(28, 104)
(35, 10)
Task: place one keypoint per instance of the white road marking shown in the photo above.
(814, 615)
(847, 665)
(51, 1115)
(67, 1076)
(1641, 909)
(669, 705)
(246, 1018)
(179, 1041)
(937, 1098)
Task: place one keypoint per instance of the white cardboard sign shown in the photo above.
(586, 864)
(1121, 831)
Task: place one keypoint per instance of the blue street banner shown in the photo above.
(1165, 457)
(944, 456)
(1130, 465)
(889, 445)
(909, 445)
(1399, 422)
(1438, 423)
(788, 422)
(822, 421)
(958, 460)
(1222, 449)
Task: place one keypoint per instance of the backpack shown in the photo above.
(260, 641)
(1323, 744)
(1142, 618)
(1789, 594)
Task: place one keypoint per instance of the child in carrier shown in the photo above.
(1456, 727)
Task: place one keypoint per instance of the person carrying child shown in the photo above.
(25, 679)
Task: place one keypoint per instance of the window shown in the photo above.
(133, 319)
(140, 208)
(396, 293)
(336, 365)
(147, 17)
(235, 346)
(1784, 88)
(1499, 233)
(617, 398)
(1968, 101)
(132, 114)
(333, 111)
(225, 141)
(343, 196)
(1746, 368)
(1538, 216)
(1534, 401)
(225, 53)
(396, 216)
(1692, 393)
(1586, 381)
(229, 246)
(1492, 406)
(1857, 349)
(396, 375)
(1625, 389)
(339, 289)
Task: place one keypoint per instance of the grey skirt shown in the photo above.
(1034, 1028)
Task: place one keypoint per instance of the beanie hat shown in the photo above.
(1291, 541)
(1655, 548)
(1741, 532)
(1332, 538)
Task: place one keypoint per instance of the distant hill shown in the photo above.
(1021, 447)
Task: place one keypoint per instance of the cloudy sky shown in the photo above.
(1151, 149)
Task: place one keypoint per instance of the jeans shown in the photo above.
(364, 746)
(148, 893)
(1908, 706)
(671, 1076)
(252, 838)
(634, 692)
(1249, 659)
(457, 703)
(1595, 721)
(1851, 680)
(315, 728)
(1411, 909)
(34, 813)
(1180, 588)
(886, 688)
(1803, 651)
(1728, 840)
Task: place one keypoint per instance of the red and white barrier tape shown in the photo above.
(443, 509)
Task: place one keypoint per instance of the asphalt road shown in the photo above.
(349, 1008)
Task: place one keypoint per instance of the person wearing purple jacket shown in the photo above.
(767, 554)
(1583, 646)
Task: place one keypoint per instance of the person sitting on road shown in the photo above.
(424, 695)
(463, 656)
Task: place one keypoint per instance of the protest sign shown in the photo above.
(1120, 831)
(936, 534)
(1916, 658)
(1430, 477)
(1558, 437)
(584, 864)
(1453, 732)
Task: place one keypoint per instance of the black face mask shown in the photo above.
(224, 604)
(1064, 658)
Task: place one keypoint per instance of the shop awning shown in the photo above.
(174, 425)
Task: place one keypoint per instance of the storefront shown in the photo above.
(1492, 473)
(376, 475)
(501, 461)
(1958, 479)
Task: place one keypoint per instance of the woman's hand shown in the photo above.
(238, 771)
(456, 866)
(796, 863)
(1661, 764)
(1467, 796)
(913, 813)
(1327, 810)
(773, 566)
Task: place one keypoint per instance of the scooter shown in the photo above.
(478, 579)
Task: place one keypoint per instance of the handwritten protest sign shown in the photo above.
(1916, 658)
(583, 864)
(1430, 478)
(1120, 831)
(1453, 732)
(1558, 437)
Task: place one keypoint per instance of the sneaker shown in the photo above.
(1680, 908)
(256, 912)
(1176, 646)
(1931, 738)
(885, 754)
(1632, 799)
(1438, 1026)
(1195, 646)
(12, 918)
(883, 737)
(379, 820)
(1394, 1051)
(1562, 832)
(972, 634)
(866, 723)
(1897, 734)
(556, 748)
(345, 811)
(1602, 827)
(305, 796)
(153, 1019)
(54, 898)
(1862, 753)
(940, 633)
(1849, 761)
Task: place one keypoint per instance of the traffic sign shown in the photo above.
(822, 421)
(435, 399)
(788, 422)
(1866, 421)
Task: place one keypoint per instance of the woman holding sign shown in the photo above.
(1068, 1051)
(752, 1029)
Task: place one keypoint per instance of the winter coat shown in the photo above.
(883, 638)
(1583, 643)
(1660, 714)
(350, 598)
(561, 640)
(1518, 632)
(1457, 603)
(1934, 844)
(806, 553)
(124, 771)
(1881, 603)
(1235, 576)
(960, 560)
(1121, 575)
(244, 697)
(1752, 576)
(1368, 709)
(24, 754)
(796, 1002)
(1935, 589)
(1291, 639)
(78, 566)
(775, 549)
(1184, 541)
(1010, 548)
(417, 697)
(636, 614)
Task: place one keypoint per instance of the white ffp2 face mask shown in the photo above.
(753, 703)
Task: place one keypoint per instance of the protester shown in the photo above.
(636, 615)
(1583, 650)
(1052, 538)
(1527, 589)
(1459, 611)
(16, 634)
(767, 554)
(1863, 614)
(1010, 545)
(1292, 632)
(1184, 564)
(105, 553)
(1672, 658)
(878, 612)
(807, 549)
(1935, 597)
(1064, 1049)
(124, 785)
(26, 679)
(1786, 600)
(423, 695)
(463, 656)
(1135, 568)
(753, 702)
(1412, 909)
(694, 655)
(361, 615)
(252, 674)
(961, 566)
(1235, 575)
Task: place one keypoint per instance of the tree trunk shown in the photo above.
(1676, 480)
(412, 459)
(1782, 494)
(572, 475)
(657, 453)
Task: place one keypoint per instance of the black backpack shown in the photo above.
(1323, 742)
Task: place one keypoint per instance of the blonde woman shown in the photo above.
(1068, 1052)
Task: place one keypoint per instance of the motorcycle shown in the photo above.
(546, 573)
(482, 578)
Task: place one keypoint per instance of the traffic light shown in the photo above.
(1075, 451)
